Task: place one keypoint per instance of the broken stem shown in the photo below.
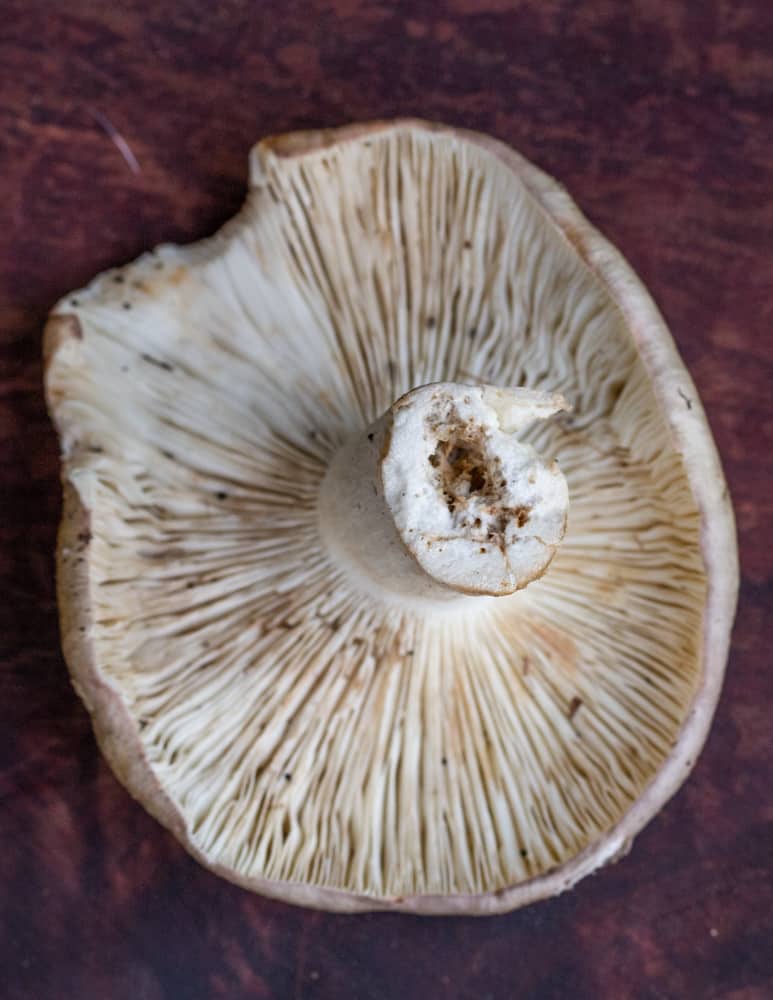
(440, 497)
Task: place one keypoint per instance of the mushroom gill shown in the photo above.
(295, 723)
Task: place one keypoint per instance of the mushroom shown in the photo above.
(342, 622)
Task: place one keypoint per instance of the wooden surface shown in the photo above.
(658, 116)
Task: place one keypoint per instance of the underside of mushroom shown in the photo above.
(342, 621)
(439, 498)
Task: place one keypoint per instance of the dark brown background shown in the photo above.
(658, 116)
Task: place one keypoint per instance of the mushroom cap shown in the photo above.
(299, 736)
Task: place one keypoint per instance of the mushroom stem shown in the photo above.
(439, 497)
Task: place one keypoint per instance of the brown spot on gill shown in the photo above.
(328, 402)
(177, 276)
(157, 362)
(607, 586)
(60, 330)
(560, 648)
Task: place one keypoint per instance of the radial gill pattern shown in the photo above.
(307, 732)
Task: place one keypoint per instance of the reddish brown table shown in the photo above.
(659, 118)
